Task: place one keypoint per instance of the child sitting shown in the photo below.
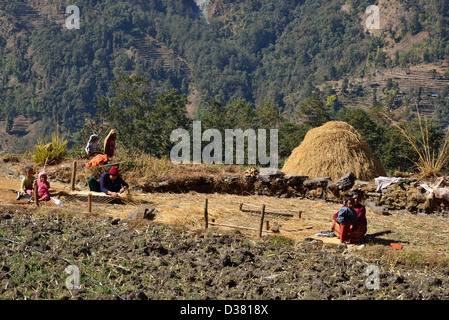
(43, 187)
(26, 187)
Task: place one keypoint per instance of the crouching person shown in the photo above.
(111, 183)
(346, 225)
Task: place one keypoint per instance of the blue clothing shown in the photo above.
(106, 184)
(347, 216)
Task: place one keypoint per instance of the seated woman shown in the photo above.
(349, 224)
(111, 183)
(362, 223)
(92, 146)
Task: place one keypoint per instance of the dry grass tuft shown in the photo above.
(430, 161)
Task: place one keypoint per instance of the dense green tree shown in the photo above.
(143, 125)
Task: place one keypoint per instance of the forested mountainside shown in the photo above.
(293, 55)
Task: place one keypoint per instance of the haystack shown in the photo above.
(333, 150)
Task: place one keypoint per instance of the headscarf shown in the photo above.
(92, 137)
(43, 173)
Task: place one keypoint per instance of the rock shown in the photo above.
(115, 221)
(263, 178)
(141, 212)
(295, 180)
(271, 172)
(346, 182)
(317, 183)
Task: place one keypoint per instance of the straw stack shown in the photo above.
(333, 150)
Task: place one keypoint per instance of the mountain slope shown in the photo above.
(257, 50)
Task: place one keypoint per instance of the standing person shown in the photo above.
(344, 221)
(109, 143)
(92, 146)
(111, 183)
(26, 187)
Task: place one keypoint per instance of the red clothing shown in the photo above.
(354, 231)
(43, 190)
(110, 147)
(361, 216)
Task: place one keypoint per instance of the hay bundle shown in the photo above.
(333, 150)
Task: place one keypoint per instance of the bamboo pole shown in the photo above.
(36, 196)
(73, 176)
(89, 202)
(262, 216)
(206, 215)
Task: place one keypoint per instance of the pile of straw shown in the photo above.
(333, 150)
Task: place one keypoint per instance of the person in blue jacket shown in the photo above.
(111, 183)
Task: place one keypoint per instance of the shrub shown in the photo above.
(46, 153)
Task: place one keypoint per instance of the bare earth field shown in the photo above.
(173, 257)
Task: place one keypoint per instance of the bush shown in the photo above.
(46, 153)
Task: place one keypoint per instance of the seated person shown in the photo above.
(43, 193)
(361, 212)
(109, 143)
(111, 183)
(27, 187)
(92, 146)
(346, 223)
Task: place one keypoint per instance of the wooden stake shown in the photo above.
(36, 196)
(206, 215)
(73, 176)
(262, 216)
(267, 225)
(89, 202)
(267, 212)
(299, 214)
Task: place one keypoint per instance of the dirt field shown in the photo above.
(172, 256)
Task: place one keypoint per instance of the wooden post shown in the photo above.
(36, 196)
(299, 214)
(241, 206)
(206, 215)
(73, 176)
(261, 221)
(267, 225)
(89, 202)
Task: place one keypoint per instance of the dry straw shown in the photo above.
(333, 150)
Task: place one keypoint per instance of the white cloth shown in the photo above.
(383, 182)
